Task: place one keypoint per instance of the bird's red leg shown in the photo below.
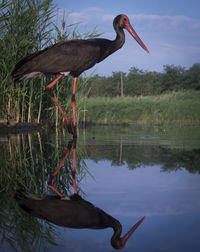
(74, 166)
(58, 169)
(57, 104)
(73, 107)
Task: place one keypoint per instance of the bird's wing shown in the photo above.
(75, 56)
(72, 56)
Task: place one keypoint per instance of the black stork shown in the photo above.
(73, 57)
(73, 212)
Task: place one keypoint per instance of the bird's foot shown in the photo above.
(65, 198)
(69, 127)
(72, 129)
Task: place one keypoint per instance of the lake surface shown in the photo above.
(128, 172)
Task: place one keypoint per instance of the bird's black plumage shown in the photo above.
(73, 56)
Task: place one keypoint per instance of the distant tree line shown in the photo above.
(138, 82)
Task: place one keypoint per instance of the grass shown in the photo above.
(181, 107)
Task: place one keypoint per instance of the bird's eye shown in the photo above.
(125, 20)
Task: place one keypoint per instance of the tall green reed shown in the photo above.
(26, 27)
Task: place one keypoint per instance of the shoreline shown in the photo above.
(31, 127)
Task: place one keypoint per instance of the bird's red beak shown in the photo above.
(130, 232)
(130, 29)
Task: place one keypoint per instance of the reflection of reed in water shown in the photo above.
(26, 162)
(28, 159)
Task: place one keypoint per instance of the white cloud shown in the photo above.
(173, 19)
(96, 16)
(92, 14)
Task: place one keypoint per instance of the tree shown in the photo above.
(192, 77)
(172, 78)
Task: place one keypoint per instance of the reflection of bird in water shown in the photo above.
(73, 212)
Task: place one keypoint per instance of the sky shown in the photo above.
(169, 29)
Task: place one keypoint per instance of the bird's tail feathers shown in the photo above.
(26, 76)
(22, 195)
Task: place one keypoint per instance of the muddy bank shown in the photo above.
(11, 126)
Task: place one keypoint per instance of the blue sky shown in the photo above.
(170, 30)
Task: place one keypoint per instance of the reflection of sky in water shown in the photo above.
(171, 202)
(143, 191)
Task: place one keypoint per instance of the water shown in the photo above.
(129, 172)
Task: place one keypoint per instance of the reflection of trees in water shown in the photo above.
(190, 160)
(135, 156)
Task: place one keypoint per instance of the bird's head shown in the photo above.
(122, 21)
(119, 243)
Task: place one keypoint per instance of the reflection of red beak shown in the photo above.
(130, 29)
(130, 232)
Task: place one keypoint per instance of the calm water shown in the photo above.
(129, 172)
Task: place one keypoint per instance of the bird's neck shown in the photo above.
(110, 46)
(115, 239)
(120, 38)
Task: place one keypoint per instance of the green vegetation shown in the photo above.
(25, 27)
(27, 162)
(30, 25)
(138, 82)
(148, 97)
(174, 107)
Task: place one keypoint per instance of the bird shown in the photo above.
(73, 212)
(72, 57)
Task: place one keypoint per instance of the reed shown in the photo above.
(25, 27)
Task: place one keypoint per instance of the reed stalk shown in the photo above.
(27, 26)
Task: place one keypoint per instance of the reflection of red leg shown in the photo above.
(60, 165)
(74, 167)
(57, 104)
(58, 169)
(73, 107)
